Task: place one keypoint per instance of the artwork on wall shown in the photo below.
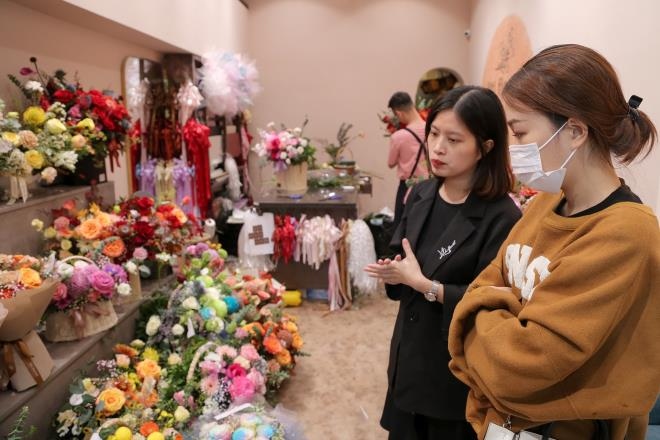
(509, 50)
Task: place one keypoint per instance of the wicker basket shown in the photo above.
(75, 324)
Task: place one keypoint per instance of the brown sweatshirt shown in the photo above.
(564, 324)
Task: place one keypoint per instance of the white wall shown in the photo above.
(341, 60)
(625, 33)
(195, 26)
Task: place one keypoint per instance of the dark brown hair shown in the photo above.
(482, 113)
(574, 81)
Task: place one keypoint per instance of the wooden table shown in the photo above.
(297, 275)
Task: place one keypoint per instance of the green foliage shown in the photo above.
(18, 430)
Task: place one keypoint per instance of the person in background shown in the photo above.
(451, 228)
(406, 148)
(559, 335)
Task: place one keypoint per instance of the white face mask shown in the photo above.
(527, 166)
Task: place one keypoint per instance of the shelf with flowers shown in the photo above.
(291, 154)
(64, 128)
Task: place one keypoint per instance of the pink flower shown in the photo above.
(102, 282)
(210, 367)
(241, 390)
(210, 385)
(79, 282)
(179, 398)
(235, 370)
(241, 333)
(25, 71)
(258, 380)
(140, 253)
(226, 350)
(61, 223)
(249, 352)
(61, 297)
(273, 141)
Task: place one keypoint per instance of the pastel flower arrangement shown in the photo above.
(285, 147)
(126, 394)
(84, 283)
(248, 424)
(199, 256)
(19, 272)
(95, 122)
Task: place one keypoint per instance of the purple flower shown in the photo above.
(75, 113)
(103, 283)
(79, 282)
(25, 71)
(212, 254)
(117, 272)
(201, 247)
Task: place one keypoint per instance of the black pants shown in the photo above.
(403, 425)
(398, 204)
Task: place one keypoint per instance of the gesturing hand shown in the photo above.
(398, 270)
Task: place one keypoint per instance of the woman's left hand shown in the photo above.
(399, 270)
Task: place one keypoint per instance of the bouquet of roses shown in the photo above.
(285, 147)
(97, 121)
(17, 273)
(84, 284)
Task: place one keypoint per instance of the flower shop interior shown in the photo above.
(191, 190)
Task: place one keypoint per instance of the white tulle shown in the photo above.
(361, 252)
(234, 184)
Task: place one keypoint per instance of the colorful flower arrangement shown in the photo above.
(285, 147)
(94, 122)
(247, 424)
(522, 195)
(391, 122)
(19, 272)
(125, 395)
(84, 284)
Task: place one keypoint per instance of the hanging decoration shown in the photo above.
(196, 136)
(361, 252)
(284, 238)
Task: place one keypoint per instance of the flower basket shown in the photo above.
(87, 170)
(293, 180)
(75, 324)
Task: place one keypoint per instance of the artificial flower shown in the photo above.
(34, 116)
(86, 123)
(272, 344)
(124, 289)
(177, 329)
(37, 224)
(148, 368)
(122, 360)
(114, 248)
(131, 267)
(174, 359)
(28, 139)
(55, 126)
(113, 400)
(30, 278)
(12, 138)
(49, 233)
(66, 244)
(297, 342)
(153, 325)
(90, 229)
(66, 159)
(126, 349)
(150, 353)
(48, 175)
(78, 141)
(140, 253)
(181, 414)
(148, 428)
(190, 303)
(283, 357)
(64, 270)
(35, 159)
(102, 282)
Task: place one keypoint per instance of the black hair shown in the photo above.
(400, 101)
(482, 113)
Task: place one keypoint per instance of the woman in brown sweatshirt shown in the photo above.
(563, 326)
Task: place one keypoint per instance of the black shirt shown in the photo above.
(621, 194)
(442, 213)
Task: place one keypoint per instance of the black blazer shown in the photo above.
(418, 352)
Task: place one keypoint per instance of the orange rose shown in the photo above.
(126, 349)
(114, 248)
(273, 366)
(297, 341)
(113, 400)
(180, 215)
(148, 427)
(254, 329)
(283, 358)
(272, 344)
(30, 278)
(148, 368)
(90, 229)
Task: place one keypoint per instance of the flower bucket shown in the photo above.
(293, 180)
(75, 324)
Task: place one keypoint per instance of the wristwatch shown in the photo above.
(432, 294)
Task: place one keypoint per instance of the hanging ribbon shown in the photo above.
(284, 238)
(24, 353)
(197, 140)
(148, 177)
(182, 185)
(17, 189)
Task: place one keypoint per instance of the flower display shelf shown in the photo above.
(70, 359)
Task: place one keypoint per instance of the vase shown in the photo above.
(293, 180)
(88, 169)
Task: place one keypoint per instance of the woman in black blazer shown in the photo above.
(451, 229)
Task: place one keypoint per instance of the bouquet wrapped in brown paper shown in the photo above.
(23, 356)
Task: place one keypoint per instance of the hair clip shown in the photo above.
(633, 104)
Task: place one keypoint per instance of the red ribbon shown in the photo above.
(196, 136)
